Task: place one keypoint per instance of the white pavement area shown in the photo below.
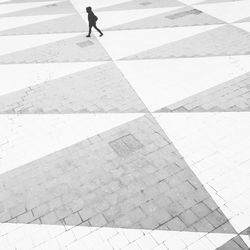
(215, 145)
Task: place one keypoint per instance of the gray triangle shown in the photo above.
(68, 24)
(101, 89)
(216, 42)
(234, 244)
(131, 176)
(76, 49)
(230, 96)
(142, 4)
(186, 16)
(49, 9)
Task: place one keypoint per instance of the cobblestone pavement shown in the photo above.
(136, 140)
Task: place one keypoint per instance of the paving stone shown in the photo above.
(112, 213)
(17, 210)
(73, 220)
(203, 225)
(215, 218)
(98, 220)
(162, 216)
(149, 223)
(149, 207)
(136, 215)
(188, 217)
(41, 210)
(176, 224)
(49, 218)
(123, 222)
(201, 210)
(4, 217)
(175, 209)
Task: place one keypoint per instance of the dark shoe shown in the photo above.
(101, 34)
(88, 36)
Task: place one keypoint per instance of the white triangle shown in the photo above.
(216, 147)
(14, 22)
(8, 8)
(30, 137)
(227, 11)
(124, 43)
(114, 18)
(27, 75)
(11, 44)
(162, 82)
(245, 26)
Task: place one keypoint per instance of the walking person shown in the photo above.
(92, 18)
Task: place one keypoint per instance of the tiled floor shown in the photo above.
(136, 140)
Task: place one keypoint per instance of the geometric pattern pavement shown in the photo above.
(140, 4)
(99, 89)
(68, 23)
(214, 42)
(61, 7)
(232, 95)
(176, 18)
(100, 150)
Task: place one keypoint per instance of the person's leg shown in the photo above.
(98, 30)
(90, 27)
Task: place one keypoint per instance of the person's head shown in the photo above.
(88, 9)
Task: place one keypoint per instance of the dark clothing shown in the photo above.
(92, 19)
